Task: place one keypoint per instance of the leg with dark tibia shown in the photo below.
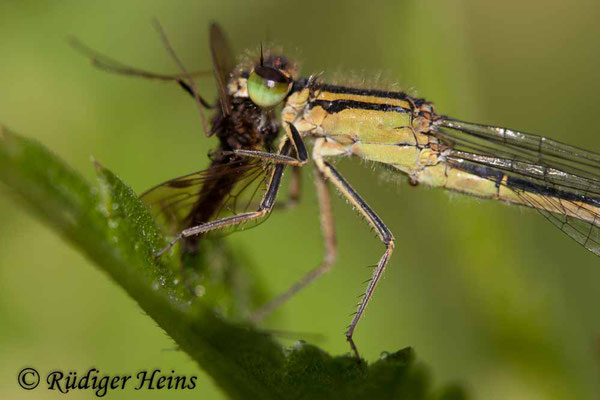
(283, 157)
(328, 229)
(382, 231)
(294, 192)
(265, 208)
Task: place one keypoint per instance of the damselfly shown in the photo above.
(560, 181)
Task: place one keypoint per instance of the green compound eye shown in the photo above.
(267, 86)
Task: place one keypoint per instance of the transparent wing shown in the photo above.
(560, 181)
(223, 65)
(216, 192)
(579, 222)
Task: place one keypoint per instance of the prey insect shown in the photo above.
(560, 181)
(239, 125)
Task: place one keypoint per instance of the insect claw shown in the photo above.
(162, 251)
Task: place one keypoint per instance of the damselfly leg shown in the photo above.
(326, 171)
(329, 256)
(383, 232)
(294, 137)
(265, 207)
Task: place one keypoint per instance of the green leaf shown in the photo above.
(109, 224)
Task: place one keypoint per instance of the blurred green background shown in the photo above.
(490, 296)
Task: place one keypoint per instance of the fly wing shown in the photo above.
(203, 196)
(223, 65)
(560, 181)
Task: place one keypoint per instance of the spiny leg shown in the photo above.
(275, 158)
(330, 251)
(283, 157)
(265, 207)
(293, 137)
(383, 232)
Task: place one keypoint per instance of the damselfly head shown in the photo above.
(267, 82)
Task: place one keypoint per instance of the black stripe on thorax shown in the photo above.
(335, 106)
(315, 87)
(368, 92)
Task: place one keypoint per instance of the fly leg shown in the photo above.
(111, 65)
(327, 227)
(383, 232)
(184, 80)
